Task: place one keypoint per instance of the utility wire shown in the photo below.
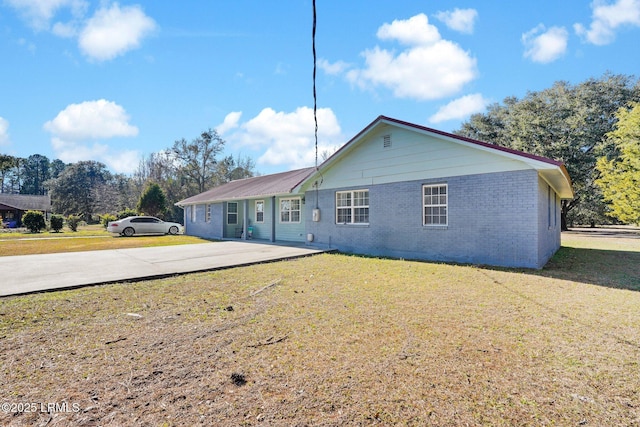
(315, 105)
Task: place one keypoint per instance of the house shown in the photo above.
(401, 190)
(14, 206)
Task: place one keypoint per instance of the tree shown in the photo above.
(619, 177)
(36, 171)
(230, 169)
(6, 165)
(11, 169)
(73, 191)
(566, 123)
(56, 167)
(34, 221)
(153, 201)
(115, 194)
(198, 157)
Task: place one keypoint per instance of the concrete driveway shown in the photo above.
(34, 273)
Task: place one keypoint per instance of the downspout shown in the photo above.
(245, 220)
(273, 219)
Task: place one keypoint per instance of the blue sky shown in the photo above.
(116, 81)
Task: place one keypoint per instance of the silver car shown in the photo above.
(142, 225)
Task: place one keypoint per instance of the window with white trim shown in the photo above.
(290, 210)
(193, 213)
(352, 207)
(208, 213)
(232, 213)
(435, 200)
(260, 211)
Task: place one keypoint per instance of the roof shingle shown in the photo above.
(26, 202)
(257, 186)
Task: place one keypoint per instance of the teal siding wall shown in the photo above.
(230, 229)
(412, 156)
(290, 231)
(261, 230)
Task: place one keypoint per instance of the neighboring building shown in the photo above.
(13, 206)
(401, 190)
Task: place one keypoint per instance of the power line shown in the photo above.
(315, 106)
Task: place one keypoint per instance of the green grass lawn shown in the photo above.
(338, 340)
(87, 238)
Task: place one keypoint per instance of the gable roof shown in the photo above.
(257, 186)
(553, 171)
(26, 202)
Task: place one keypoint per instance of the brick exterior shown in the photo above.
(213, 229)
(495, 219)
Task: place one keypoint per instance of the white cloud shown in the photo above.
(113, 31)
(544, 46)
(288, 137)
(460, 108)
(337, 67)
(77, 130)
(40, 13)
(65, 31)
(4, 131)
(110, 32)
(431, 68)
(123, 161)
(607, 18)
(461, 20)
(91, 120)
(413, 31)
(230, 122)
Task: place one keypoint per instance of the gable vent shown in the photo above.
(386, 141)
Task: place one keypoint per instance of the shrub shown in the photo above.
(104, 219)
(127, 212)
(34, 221)
(73, 221)
(57, 221)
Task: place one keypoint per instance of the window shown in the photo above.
(352, 207)
(290, 210)
(435, 204)
(193, 213)
(232, 213)
(208, 213)
(260, 211)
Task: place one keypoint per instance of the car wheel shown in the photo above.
(128, 232)
(173, 230)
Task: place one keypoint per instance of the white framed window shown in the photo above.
(259, 210)
(290, 210)
(193, 213)
(232, 213)
(208, 213)
(435, 201)
(352, 207)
